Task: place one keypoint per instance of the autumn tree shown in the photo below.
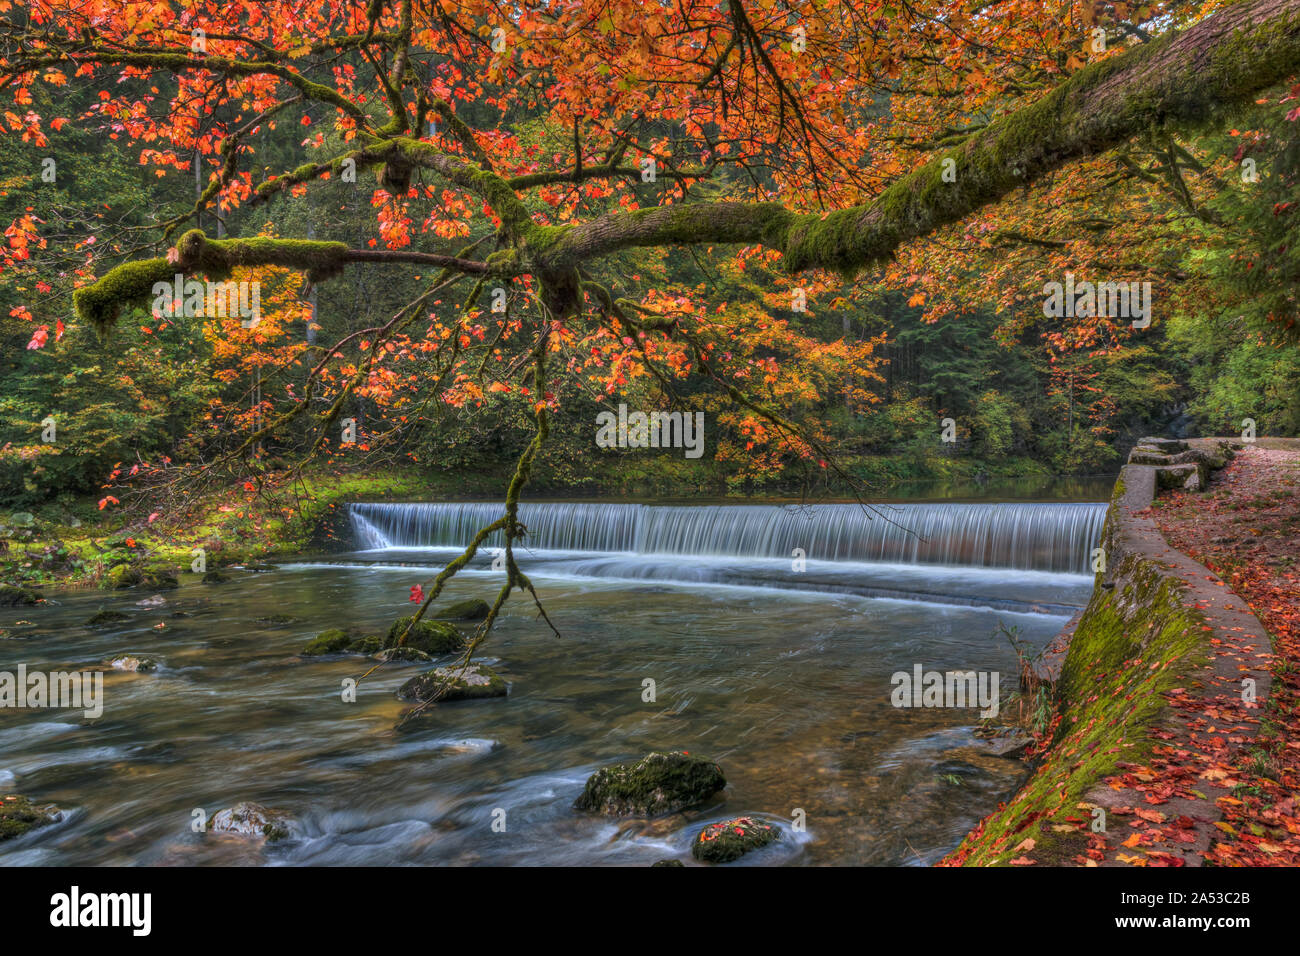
(530, 143)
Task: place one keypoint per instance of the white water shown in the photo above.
(1034, 537)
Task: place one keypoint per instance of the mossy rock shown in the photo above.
(215, 577)
(261, 567)
(252, 820)
(732, 839)
(333, 641)
(121, 576)
(160, 576)
(446, 684)
(102, 618)
(667, 863)
(11, 596)
(18, 815)
(432, 637)
(370, 644)
(658, 783)
(471, 610)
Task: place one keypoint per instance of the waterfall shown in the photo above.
(1040, 537)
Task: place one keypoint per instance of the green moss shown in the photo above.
(11, 596)
(432, 637)
(121, 576)
(658, 783)
(18, 815)
(332, 641)
(473, 609)
(129, 284)
(132, 283)
(1134, 642)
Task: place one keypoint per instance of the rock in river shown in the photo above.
(102, 618)
(657, 783)
(732, 839)
(252, 819)
(18, 815)
(474, 609)
(432, 637)
(446, 684)
(11, 596)
(127, 662)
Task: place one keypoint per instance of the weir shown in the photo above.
(1035, 537)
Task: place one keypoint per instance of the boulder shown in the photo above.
(445, 684)
(471, 610)
(102, 618)
(252, 820)
(432, 637)
(11, 596)
(732, 839)
(658, 783)
(18, 815)
(22, 519)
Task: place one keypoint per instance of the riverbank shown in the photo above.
(1168, 746)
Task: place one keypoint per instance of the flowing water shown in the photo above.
(774, 663)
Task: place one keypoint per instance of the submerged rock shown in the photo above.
(658, 783)
(254, 820)
(432, 637)
(11, 596)
(261, 567)
(18, 815)
(471, 610)
(732, 839)
(127, 662)
(667, 863)
(215, 577)
(446, 684)
(401, 655)
(102, 618)
(156, 601)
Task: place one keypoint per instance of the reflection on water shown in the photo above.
(787, 689)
